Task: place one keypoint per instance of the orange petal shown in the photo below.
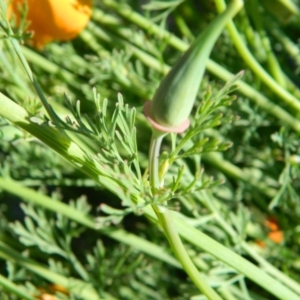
(276, 236)
(272, 223)
(55, 19)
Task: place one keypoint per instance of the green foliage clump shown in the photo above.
(77, 210)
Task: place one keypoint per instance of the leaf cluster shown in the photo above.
(130, 53)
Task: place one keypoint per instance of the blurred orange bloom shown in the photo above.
(54, 19)
(276, 236)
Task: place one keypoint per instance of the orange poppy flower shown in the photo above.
(276, 236)
(54, 19)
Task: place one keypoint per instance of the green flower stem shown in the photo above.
(13, 288)
(82, 182)
(154, 148)
(166, 221)
(292, 50)
(180, 45)
(254, 65)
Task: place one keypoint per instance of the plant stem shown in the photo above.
(166, 221)
(154, 161)
(226, 294)
(167, 224)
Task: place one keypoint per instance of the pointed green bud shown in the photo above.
(174, 98)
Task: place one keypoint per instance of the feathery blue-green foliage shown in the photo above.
(76, 219)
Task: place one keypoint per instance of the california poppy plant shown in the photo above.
(54, 19)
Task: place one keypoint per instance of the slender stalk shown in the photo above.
(168, 226)
(153, 160)
(166, 221)
(291, 49)
(289, 46)
(182, 26)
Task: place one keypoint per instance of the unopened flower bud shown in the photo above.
(174, 98)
